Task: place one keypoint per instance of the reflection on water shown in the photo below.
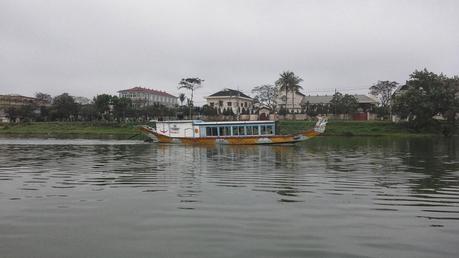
(331, 196)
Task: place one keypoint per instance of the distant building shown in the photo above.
(148, 97)
(17, 101)
(7, 101)
(287, 103)
(365, 103)
(230, 99)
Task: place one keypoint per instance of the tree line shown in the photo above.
(424, 101)
(103, 107)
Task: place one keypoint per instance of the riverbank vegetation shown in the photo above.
(125, 131)
(70, 129)
(427, 104)
(355, 128)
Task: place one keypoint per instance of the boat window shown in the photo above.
(224, 130)
(241, 130)
(236, 130)
(269, 129)
(249, 130)
(262, 129)
(255, 129)
(211, 131)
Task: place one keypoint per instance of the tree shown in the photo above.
(335, 102)
(64, 106)
(316, 109)
(181, 98)
(44, 113)
(426, 95)
(343, 104)
(44, 97)
(27, 112)
(121, 107)
(191, 84)
(384, 90)
(209, 111)
(102, 103)
(228, 112)
(449, 103)
(12, 113)
(88, 112)
(349, 104)
(288, 81)
(266, 94)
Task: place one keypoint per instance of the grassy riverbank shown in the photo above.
(124, 131)
(70, 129)
(352, 128)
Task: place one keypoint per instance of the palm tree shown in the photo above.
(181, 98)
(191, 84)
(288, 81)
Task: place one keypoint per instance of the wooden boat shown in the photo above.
(229, 132)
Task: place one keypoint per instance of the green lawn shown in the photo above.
(123, 131)
(349, 128)
(70, 128)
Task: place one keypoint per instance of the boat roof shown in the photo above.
(177, 121)
(235, 122)
(200, 122)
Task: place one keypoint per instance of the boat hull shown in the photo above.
(232, 140)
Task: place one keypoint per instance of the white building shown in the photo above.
(148, 97)
(228, 98)
(287, 103)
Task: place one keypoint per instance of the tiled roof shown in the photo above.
(327, 98)
(146, 90)
(229, 93)
(289, 93)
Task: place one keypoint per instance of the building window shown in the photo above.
(220, 103)
(228, 104)
(211, 104)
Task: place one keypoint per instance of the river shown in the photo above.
(327, 197)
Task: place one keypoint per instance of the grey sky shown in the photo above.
(92, 47)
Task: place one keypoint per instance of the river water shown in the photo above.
(328, 197)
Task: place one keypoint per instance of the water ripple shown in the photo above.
(358, 197)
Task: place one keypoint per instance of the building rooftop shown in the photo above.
(17, 96)
(327, 98)
(229, 93)
(147, 90)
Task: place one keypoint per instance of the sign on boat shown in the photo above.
(226, 132)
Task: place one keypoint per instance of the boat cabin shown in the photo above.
(199, 128)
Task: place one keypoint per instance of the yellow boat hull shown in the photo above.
(233, 140)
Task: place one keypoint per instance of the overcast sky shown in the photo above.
(89, 47)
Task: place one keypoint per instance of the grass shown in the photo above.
(351, 128)
(83, 129)
(125, 131)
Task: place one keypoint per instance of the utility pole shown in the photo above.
(238, 107)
